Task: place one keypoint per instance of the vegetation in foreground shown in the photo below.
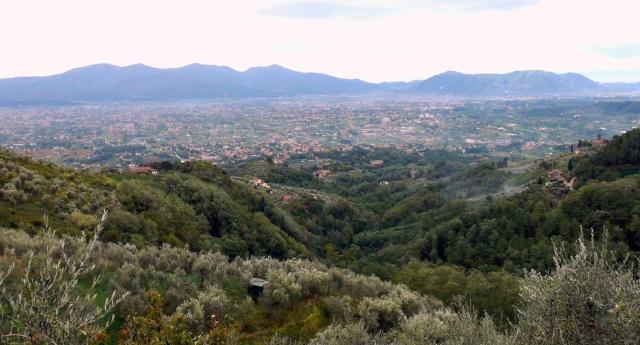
(169, 295)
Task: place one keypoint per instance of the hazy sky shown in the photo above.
(377, 40)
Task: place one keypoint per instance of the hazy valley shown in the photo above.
(365, 217)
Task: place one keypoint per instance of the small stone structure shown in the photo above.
(256, 288)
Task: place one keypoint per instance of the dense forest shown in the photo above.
(377, 245)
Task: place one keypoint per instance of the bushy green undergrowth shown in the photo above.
(174, 296)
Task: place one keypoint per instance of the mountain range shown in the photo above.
(514, 83)
(105, 82)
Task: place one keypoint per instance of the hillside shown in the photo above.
(194, 204)
(173, 296)
(464, 211)
(441, 225)
(446, 206)
(619, 158)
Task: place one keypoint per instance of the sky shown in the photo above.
(375, 40)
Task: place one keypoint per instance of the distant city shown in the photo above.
(115, 135)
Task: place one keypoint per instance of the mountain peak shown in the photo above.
(271, 68)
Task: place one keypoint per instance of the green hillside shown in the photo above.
(194, 204)
(460, 229)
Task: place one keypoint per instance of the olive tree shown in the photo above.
(589, 299)
(48, 301)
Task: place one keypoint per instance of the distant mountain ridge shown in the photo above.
(514, 83)
(105, 82)
(139, 82)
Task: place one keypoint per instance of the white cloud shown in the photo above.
(621, 52)
(325, 10)
(373, 40)
(506, 5)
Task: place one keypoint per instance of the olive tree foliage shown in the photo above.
(210, 267)
(18, 184)
(589, 299)
(442, 326)
(65, 194)
(381, 314)
(355, 333)
(198, 311)
(339, 309)
(41, 301)
(283, 289)
(448, 327)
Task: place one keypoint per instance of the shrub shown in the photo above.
(381, 314)
(353, 334)
(153, 328)
(47, 308)
(83, 221)
(282, 289)
(447, 327)
(210, 267)
(339, 308)
(198, 311)
(588, 299)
